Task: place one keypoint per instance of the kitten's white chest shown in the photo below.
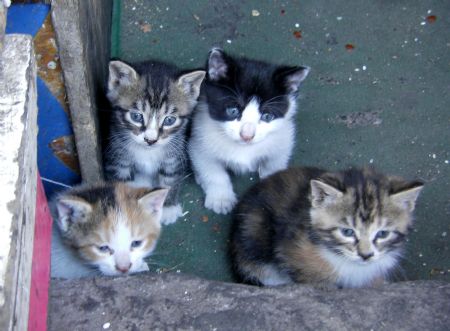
(148, 160)
(354, 274)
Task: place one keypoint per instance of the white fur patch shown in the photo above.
(358, 274)
(170, 214)
(217, 146)
(270, 276)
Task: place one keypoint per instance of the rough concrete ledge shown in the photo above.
(174, 301)
(18, 171)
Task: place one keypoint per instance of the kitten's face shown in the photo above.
(112, 228)
(365, 221)
(250, 99)
(154, 104)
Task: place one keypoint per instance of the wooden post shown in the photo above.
(83, 31)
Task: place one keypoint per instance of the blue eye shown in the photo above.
(137, 117)
(347, 232)
(104, 248)
(232, 112)
(136, 243)
(267, 117)
(382, 234)
(169, 120)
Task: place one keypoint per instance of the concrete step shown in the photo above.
(176, 301)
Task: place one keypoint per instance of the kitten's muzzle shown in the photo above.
(150, 141)
(247, 132)
(366, 256)
(123, 269)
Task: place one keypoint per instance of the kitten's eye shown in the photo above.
(232, 112)
(382, 234)
(136, 243)
(137, 117)
(267, 117)
(104, 248)
(169, 120)
(347, 232)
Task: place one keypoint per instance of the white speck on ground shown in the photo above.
(429, 11)
(106, 325)
(364, 68)
(423, 23)
(371, 161)
(339, 18)
(298, 25)
(255, 12)
(229, 41)
(444, 234)
(446, 161)
(356, 69)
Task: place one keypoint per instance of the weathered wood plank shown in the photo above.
(18, 141)
(83, 36)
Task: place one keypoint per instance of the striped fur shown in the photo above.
(110, 227)
(309, 225)
(152, 104)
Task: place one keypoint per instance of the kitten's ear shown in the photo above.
(121, 75)
(71, 210)
(291, 77)
(190, 83)
(323, 194)
(154, 201)
(405, 194)
(217, 65)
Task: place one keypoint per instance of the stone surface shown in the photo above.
(3, 11)
(174, 301)
(18, 141)
(83, 36)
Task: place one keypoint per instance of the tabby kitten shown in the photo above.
(311, 226)
(244, 122)
(152, 103)
(110, 227)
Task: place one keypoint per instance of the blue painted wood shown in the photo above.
(26, 19)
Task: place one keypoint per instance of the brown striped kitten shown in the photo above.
(109, 227)
(152, 103)
(307, 225)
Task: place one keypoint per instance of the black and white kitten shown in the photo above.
(152, 103)
(244, 122)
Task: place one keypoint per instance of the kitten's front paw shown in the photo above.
(171, 213)
(220, 202)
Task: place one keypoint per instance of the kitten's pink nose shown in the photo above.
(123, 269)
(247, 132)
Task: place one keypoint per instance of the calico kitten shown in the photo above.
(244, 122)
(110, 227)
(309, 225)
(152, 103)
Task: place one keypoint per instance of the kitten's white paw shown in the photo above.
(221, 202)
(170, 214)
